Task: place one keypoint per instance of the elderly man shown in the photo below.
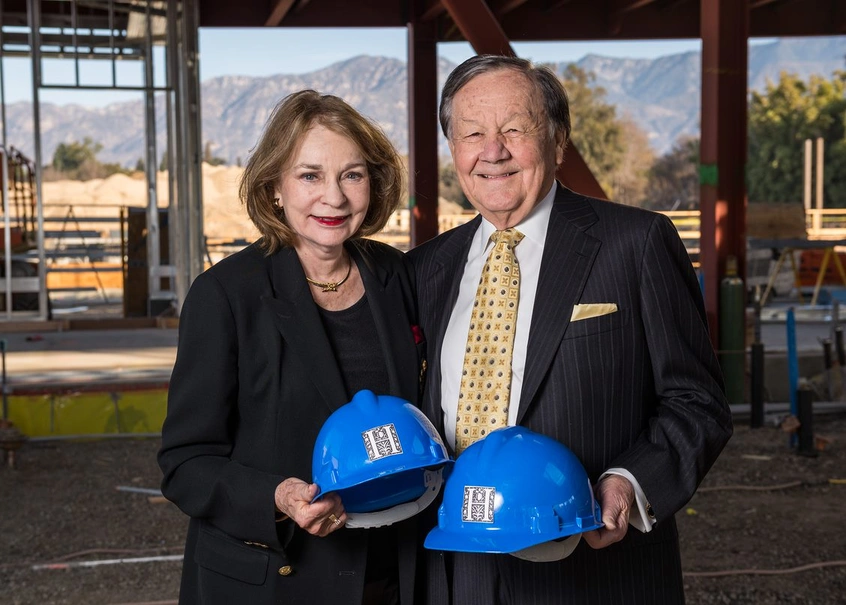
(604, 345)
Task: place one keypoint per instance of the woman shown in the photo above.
(272, 340)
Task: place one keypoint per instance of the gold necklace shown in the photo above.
(331, 286)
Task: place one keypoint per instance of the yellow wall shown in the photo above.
(88, 413)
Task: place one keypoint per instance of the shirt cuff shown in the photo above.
(645, 518)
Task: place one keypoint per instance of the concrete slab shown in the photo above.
(88, 358)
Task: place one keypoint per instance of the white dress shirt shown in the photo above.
(529, 253)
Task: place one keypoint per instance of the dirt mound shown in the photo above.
(223, 215)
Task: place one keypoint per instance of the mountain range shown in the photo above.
(661, 95)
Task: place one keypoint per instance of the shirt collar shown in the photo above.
(534, 226)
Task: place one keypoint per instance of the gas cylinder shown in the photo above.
(733, 332)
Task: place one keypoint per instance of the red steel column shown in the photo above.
(422, 130)
(724, 27)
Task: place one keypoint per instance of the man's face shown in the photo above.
(504, 155)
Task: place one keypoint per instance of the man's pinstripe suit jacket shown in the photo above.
(639, 388)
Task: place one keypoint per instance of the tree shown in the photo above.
(780, 119)
(448, 186)
(596, 131)
(79, 161)
(630, 178)
(140, 166)
(209, 158)
(163, 163)
(69, 157)
(674, 178)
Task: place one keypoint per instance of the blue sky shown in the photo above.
(269, 51)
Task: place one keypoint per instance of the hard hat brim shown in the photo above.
(493, 541)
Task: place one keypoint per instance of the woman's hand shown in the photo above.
(293, 498)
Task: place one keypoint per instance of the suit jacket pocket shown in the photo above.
(597, 325)
(225, 555)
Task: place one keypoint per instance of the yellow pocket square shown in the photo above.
(592, 310)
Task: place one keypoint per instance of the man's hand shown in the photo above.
(616, 497)
(293, 498)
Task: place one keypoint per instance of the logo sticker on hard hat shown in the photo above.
(478, 504)
(381, 442)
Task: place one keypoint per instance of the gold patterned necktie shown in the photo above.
(486, 375)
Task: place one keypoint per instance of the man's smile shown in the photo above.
(497, 176)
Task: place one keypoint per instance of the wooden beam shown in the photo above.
(278, 13)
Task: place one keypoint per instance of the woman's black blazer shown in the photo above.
(254, 380)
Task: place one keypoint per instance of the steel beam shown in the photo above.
(534, 20)
(479, 26)
(753, 4)
(432, 10)
(277, 15)
(626, 6)
(503, 7)
(575, 174)
(602, 21)
(725, 32)
(423, 130)
(799, 18)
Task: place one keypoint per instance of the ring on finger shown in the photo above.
(335, 520)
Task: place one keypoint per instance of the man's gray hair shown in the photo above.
(546, 83)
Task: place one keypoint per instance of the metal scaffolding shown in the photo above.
(113, 31)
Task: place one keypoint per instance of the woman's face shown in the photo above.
(325, 191)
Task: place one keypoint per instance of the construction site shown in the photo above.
(94, 274)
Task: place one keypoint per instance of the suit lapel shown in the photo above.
(296, 317)
(384, 294)
(449, 262)
(568, 255)
(444, 281)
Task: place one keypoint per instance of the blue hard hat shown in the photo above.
(516, 491)
(382, 456)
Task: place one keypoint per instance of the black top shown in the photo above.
(352, 334)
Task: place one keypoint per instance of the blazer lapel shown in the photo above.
(568, 255)
(296, 317)
(384, 295)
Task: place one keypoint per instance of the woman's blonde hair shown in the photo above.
(286, 127)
